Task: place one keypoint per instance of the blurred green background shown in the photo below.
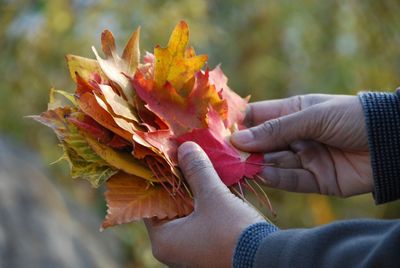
(269, 49)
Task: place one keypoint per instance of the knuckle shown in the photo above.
(311, 99)
(249, 117)
(302, 102)
(269, 128)
(296, 102)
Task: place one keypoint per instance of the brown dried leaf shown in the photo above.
(130, 198)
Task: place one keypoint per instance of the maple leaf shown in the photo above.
(172, 64)
(180, 113)
(131, 198)
(231, 165)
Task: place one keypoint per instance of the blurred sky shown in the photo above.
(269, 49)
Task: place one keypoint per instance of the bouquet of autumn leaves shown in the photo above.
(127, 117)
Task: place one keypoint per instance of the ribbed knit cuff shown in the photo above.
(382, 117)
(249, 243)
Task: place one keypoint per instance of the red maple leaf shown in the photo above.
(231, 165)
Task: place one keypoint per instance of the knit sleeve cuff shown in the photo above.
(382, 117)
(249, 243)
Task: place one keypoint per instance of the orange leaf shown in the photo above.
(203, 96)
(169, 106)
(181, 114)
(89, 105)
(130, 198)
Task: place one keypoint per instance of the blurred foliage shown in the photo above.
(269, 49)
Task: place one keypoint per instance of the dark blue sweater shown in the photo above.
(356, 243)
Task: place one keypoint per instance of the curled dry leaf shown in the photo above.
(127, 119)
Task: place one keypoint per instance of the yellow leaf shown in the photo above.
(184, 69)
(179, 39)
(84, 67)
(123, 161)
(174, 64)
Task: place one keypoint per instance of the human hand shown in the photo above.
(317, 142)
(207, 237)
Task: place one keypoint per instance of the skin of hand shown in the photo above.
(317, 143)
(207, 237)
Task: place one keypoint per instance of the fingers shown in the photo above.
(309, 167)
(283, 159)
(292, 180)
(316, 158)
(277, 134)
(259, 112)
(198, 170)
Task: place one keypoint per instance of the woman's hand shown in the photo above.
(318, 143)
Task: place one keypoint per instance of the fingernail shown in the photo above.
(243, 137)
(187, 148)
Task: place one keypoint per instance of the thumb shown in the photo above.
(280, 132)
(198, 171)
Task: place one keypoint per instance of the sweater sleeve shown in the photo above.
(382, 117)
(356, 243)
(353, 243)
